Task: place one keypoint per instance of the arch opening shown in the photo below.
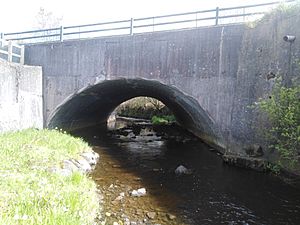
(140, 109)
(93, 105)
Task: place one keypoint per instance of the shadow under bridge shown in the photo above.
(92, 105)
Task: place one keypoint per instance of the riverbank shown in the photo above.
(34, 187)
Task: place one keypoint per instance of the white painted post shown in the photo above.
(131, 26)
(61, 34)
(153, 24)
(217, 16)
(1, 39)
(22, 55)
(10, 51)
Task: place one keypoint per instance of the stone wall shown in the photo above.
(21, 100)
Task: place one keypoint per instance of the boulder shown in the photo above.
(151, 215)
(258, 164)
(254, 150)
(181, 170)
(82, 165)
(171, 217)
(139, 192)
(91, 157)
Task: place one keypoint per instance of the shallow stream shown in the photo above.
(214, 193)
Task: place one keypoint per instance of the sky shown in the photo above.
(19, 15)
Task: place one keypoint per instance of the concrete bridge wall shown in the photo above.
(224, 68)
(21, 103)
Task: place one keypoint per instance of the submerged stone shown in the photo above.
(138, 193)
(151, 215)
(181, 170)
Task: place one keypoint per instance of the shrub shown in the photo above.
(157, 120)
(283, 112)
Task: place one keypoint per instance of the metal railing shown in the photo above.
(11, 52)
(211, 17)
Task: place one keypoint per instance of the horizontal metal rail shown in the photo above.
(177, 14)
(191, 19)
(258, 5)
(32, 37)
(97, 30)
(97, 24)
(33, 31)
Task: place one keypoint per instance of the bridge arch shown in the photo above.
(93, 105)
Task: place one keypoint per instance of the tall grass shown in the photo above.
(30, 193)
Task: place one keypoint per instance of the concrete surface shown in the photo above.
(21, 101)
(224, 69)
(94, 104)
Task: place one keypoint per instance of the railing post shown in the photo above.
(131, 26)
(217, 16)
(22, 54)
(61, 34)
(152, 24)
(10, 51)
(1, 39)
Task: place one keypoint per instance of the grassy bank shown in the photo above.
(30, 193)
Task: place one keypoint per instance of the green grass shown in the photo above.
(30, 193)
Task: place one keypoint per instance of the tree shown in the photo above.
(46, 19)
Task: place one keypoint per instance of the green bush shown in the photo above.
(167, 119)
(283, 10)
(283, 112)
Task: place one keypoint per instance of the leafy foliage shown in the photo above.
(282, 10)
(166, 119)
(283, 112)
(46, 19)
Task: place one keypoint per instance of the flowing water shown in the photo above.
(214, 193)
